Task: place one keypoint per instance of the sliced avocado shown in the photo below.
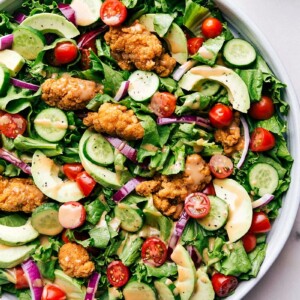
(72, 289)
(114, 293)
(20, 235)
(12, 60)
(135, 290)
(240, 207)
(203, 288)
(165, 288)
(175, 38)
(186, 272)
(237, 90)
(102, 175)
(45, 175)
(51, 23)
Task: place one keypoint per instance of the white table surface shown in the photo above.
(280, 23)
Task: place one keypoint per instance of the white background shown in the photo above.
(279, 21)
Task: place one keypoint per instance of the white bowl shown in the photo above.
(283, 224)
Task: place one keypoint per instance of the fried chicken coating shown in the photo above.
(19, 194)
(69, 93)
(75, 261)
(230, 137)
(115, 120)
(136, 47)
(169, 192)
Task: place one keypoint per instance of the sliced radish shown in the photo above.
(71, 215)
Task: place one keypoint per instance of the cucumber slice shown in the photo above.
(4, 80)
(45, 219)
(28, 42)
(51, 124)
(217, 215)
(131, 217)
(139, 291)
(142, 85)
(263, 179)
(98, 150)
(239, 53)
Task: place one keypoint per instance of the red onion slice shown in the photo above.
(68, 12)
(264, 200)
(122, 92)
(6, 41)
(183, 69)
(34, 278)
(24, 85)
(185, 119)
(92, 286)
(246, 143)
(87, 37)
(19, 17)
(126, 189)
(15, 161)
(195, 255)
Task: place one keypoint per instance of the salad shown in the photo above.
(143, 151)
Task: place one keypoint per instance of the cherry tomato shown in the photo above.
(85, 182)
(260, 223)
(249, 241)
(71, 214)
(197, 205)
(211, 27)
(21, 280)
(223, 284)
(154, 252)
(220, 115)
(64, 237)
(53, 292)
(113, 12)
(209, 190)
(72, 170)
(221, 166)
(65, 53)
(261, 140)
(117, 273)
(263, 109)
(194, 44)
(11, 125)
(163, 104)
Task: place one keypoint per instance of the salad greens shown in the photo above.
(160, 156)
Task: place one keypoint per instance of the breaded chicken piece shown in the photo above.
(19, 194)
(230, 137)
(69, 93)
(115, 120)
(135, 47)
(169, 192)
(75, 261)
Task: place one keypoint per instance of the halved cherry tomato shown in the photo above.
(263, 109)
(209, 190)
(221, 166)
(71, 170)
(113, 12)
(71, 214)
(21, 280)
(223, 285)
(65, 53)
(197, 205)
(163, 104)
(211, 27)
(53, 292)
(85, 182)
(11, 125)
(262, 140)
(220, 115)
(260, 223)
(154, 252)
(194, 44)
(64, 237)
(249, 242)
(117, 273)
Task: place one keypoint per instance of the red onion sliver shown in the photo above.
(15, 161)
(126, 189)
(6, 41)
(195, 255)
(68, 12)
(92, 286)
(122, 92)
(19, 17)
(183, 69)
(246, 143)
(87, 37)
(264, 200)
(185, 119)
(24, 84)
